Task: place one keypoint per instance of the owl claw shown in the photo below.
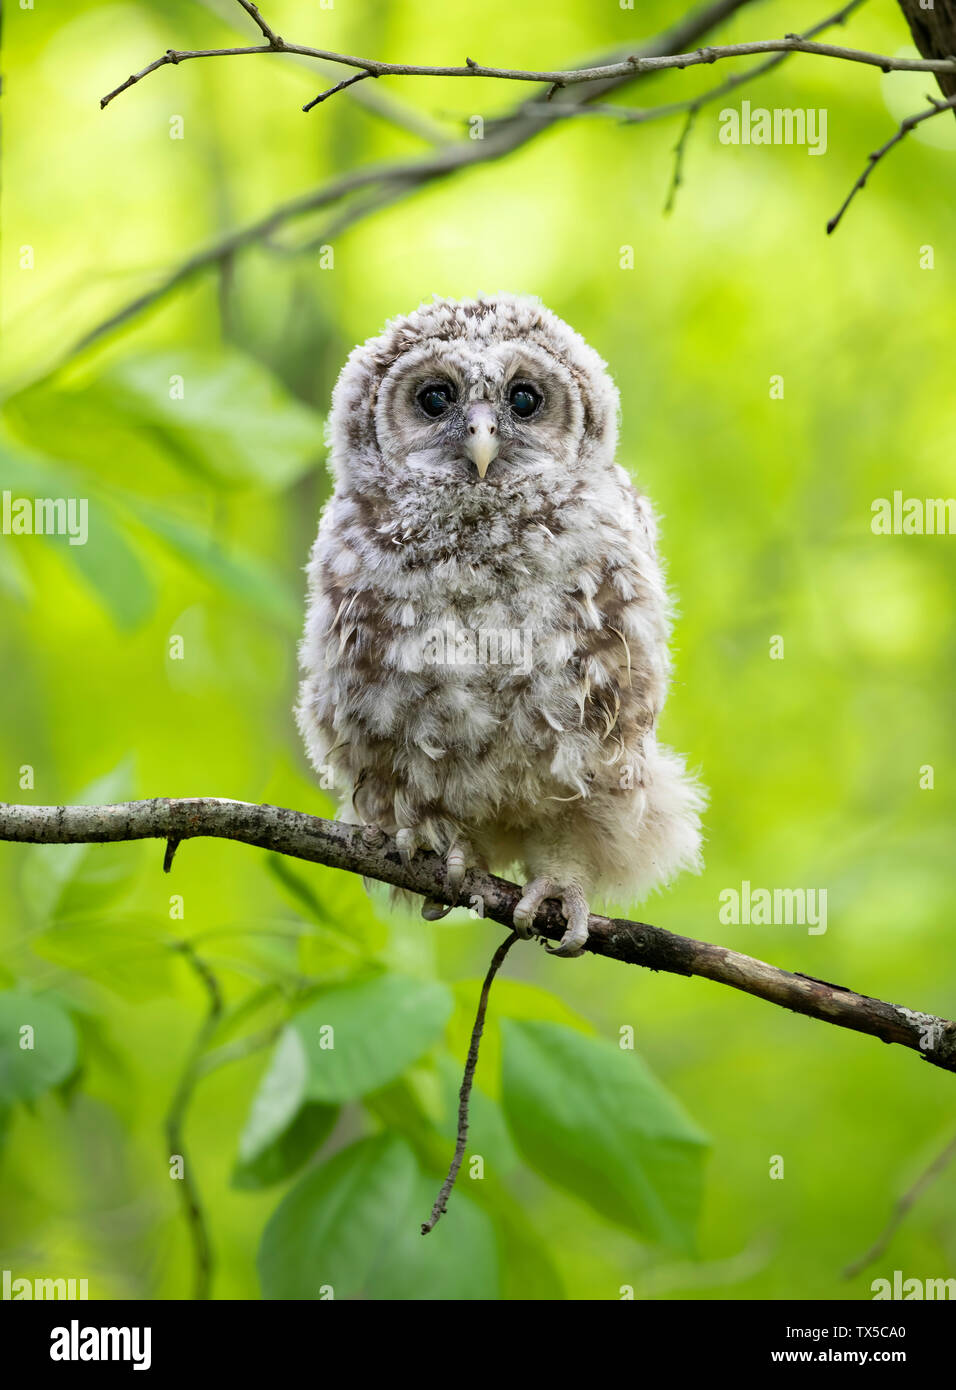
(408, 845)
(433, 911)
(373, 836)
(573, 904)
(456, 865)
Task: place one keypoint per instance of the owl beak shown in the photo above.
(481, 435)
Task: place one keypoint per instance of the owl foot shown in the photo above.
(456, 863)
(408, 844)
(574, 905)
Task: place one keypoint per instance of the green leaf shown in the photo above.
(61, 881)
(512, 999)
(283, 1129)
(487, 1132)
(33, 1062)
(518, 999)
(279, 1097)
(336, 1223)
(360, 1036)
(354, 1225)
(343, 932)
(457, 1260)
(111, 567)
(233, 422)
(593, 1119)
(106, 562)
(109, 564)
(15, 582)
(126, 952)
(290, 1151)
(242, 576)
(528, 1270)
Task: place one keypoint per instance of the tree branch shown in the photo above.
(375, 855)
(903, 1205)
(641, 115)
(464, 1095)
(176, 1117)
(377, 101)
(630, 66)
(388, 183)
(934, 109)
(391, 182)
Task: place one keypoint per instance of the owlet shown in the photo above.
(486, 647)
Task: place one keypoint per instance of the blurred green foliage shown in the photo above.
(195, 431)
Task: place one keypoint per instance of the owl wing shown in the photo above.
(621, 623)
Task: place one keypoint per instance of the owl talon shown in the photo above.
(573, 904)
(527, 908)
(373, 836)
(456, 865)
(433, 911)
(408, 845)
(535, 893)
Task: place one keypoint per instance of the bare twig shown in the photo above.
(387, 183)
(267, 31)
(677, 178)
(343, 846)
(641, 115)
(695, 104)
(339, 87)
(376, 100)
(393, 181)
(464, 1095)
(936, 106)
(630, 66)
(903, 1205)
(175, 1120)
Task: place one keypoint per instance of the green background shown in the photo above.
(201, 514)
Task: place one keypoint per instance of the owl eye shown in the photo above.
(436, 397)
(524, 399)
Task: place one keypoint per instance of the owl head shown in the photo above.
(487, 393)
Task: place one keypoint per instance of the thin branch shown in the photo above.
(339, 87)
(399, 179)
(267, 31)
(640, 115)
(632, 66)
(343, 846)
(523, 124)
(175, 1120)
(934, 109)
(677, 178)
(693, 105)
(464, 1095)
(908, 1199)
(402, 176)
(377, 101)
